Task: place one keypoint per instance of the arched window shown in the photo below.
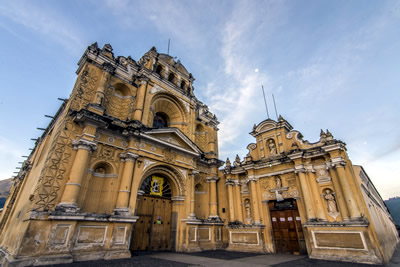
(183, 85)
(159, 69)
(99, 189)
(156, 185)
(171, 77)
(160, 120)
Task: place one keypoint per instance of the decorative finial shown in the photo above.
(237, 158)
(107, 48)
(281, 119)
(227, 163)
(329, 135)
(237, 161)
(322, 133)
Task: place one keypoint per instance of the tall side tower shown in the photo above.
(117, 167)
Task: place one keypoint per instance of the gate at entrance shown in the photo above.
(153, 227)
(286, 225)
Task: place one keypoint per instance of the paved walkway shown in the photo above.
(223, 258)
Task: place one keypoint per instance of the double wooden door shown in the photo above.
(153, 227)
(288, 232)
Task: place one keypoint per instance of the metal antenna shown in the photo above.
(276, 112)
(169, 40)
(265, 101)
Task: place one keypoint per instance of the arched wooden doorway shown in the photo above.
(153, 227)
(286, 226)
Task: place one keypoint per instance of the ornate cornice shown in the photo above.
(128, 156)
(84, 144)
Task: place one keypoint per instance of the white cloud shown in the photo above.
(46, 21)
(237, 98)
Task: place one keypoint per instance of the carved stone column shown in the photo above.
(238, 202)
(254, 201)
(125, 185)
(306, 195)
(348, 193)
(230, 184)
(339, 195)
(73, 186)
(316, 196)
(99, 97)
(213, 211)
(141, 92)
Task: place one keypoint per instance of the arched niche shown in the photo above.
(201, 201)
(121, 90)
(120, 101)
(99, 189)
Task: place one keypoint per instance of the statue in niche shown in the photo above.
(100, 170)
(247, 208)
(272, 147)
(278, 182)
(330, 201)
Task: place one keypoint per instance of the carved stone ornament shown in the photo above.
(169, 156)
(265, 184)
(106, 153)
(147, 163)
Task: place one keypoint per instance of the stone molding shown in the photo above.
(84, 144)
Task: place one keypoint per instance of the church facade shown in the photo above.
(130, 162)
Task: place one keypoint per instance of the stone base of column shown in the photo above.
(68, 207)
(192, 217)
(122, 212)
(214, 217)
(96, 108)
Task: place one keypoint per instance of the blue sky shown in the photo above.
(330, 64)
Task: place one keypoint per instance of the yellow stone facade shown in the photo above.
(130, 162)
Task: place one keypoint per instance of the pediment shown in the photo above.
(174, 139)
(264, 126)
(269, 125)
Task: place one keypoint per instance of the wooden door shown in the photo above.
(153, 227)
(287, 230)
